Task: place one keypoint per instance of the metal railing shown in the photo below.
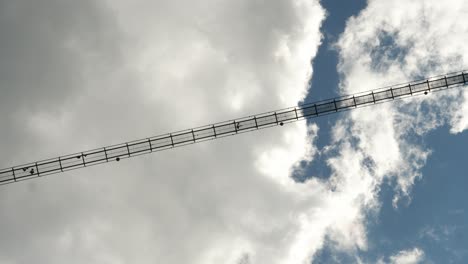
(229, 128)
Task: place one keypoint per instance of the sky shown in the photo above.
(381, 184)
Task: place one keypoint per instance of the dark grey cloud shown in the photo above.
(41, 60)
(40, 68)
(80, 74)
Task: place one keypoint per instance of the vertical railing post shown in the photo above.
(151, 145)
(37, 169)
(13, 172)
(82, 158)
(255, 119)
(60, 163)
(105, 153)
(128, 149)
(236, 124)
(172, 141)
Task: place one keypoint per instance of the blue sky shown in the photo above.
(435, 217)
(381, 184)
(325, 79)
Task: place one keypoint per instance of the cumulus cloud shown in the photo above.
(388, 44)
(391, 42)
(411, 256)
(78, 75)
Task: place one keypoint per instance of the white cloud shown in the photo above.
(103, 74)
(411, 256)
(387, 43)
(394, 41)
(83, 75)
